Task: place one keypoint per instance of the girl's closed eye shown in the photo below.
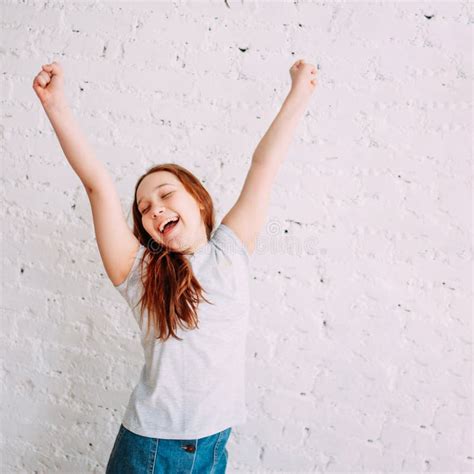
(164, 196)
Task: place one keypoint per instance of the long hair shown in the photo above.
(171, 291)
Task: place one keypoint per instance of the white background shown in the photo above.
(360, 351)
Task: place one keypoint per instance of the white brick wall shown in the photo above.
(360, 350)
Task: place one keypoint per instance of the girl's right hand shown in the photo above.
(303, 78)
(49, 85)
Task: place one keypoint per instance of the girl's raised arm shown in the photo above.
(116, 242)
(247, 216)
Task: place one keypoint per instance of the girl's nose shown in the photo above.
(157, 211)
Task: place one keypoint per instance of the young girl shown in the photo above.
(186, 283)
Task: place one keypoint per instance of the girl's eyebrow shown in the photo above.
(156, 187)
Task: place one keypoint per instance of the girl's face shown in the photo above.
(161, 196)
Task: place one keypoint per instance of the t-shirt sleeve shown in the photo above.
(230, 243)
(130, 288)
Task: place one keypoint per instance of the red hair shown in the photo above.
(171, 291)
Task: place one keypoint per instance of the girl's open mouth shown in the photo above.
(170, 227)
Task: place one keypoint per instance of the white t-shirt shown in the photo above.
(196, 387)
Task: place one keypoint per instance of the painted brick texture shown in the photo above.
(360, 350)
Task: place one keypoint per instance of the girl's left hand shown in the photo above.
(303, 78)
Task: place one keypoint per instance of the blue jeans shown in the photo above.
(135, 454)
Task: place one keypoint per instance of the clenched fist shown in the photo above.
(49, 85)
(303, 78)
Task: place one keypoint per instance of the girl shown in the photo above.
(188, 281)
